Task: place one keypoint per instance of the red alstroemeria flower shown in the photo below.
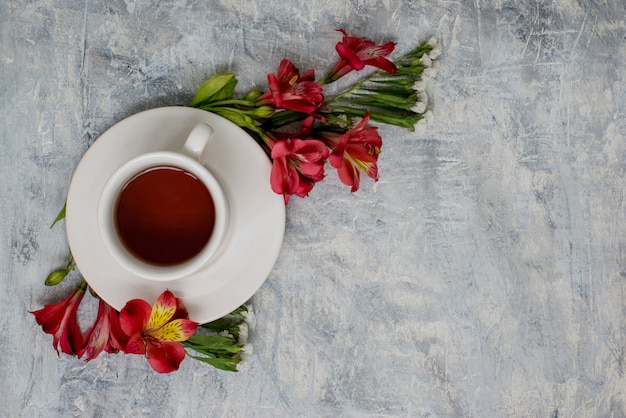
(297, 165)
(289, 90)
(356, 53)
(105, 334)
(356, 149)
(60, 321)
(158, 330)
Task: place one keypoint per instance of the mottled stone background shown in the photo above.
(483, 276)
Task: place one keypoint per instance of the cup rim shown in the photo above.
(108, 230)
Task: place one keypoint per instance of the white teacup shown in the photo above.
(151, 213)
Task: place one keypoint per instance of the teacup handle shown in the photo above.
(197, 143)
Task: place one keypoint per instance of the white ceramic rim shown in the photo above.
(106, 217)
(251, 245)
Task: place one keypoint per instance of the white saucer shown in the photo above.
(256, 230)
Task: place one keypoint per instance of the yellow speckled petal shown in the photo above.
(177, 330)
(162, 311)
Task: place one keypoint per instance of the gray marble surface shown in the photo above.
(483, 276)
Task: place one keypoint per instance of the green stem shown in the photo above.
(354, 87)
(285, 117)
(230, 102)
(216, 108)
(406, 120)
(71, 264)
(415, 53)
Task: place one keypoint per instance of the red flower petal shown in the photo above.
(71, 341)
(384, 64)
(288, 90)
(305, 185)
(134, 316)
(348, 54)
(117, 338)
(97, 336)
(355, 53)
(356, 149)
(165, 357)
(181, 311)
(349, 175)
(275, 90)
(297, 165)
(51, 316)
(60, 321)
(136, 345)
(283, 179)
(311, 151)
(282, 149)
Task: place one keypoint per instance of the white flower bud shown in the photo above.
(421, 124)
(243, 366)
(426, 61)
(419, 86)
(246, 351)
(419, 127)
(435, 52)
(250, 318)
(243, 333)
(420, 107)
(423, 97)
(433, 41)
(429, 72)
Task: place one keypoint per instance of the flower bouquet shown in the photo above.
(301, 129)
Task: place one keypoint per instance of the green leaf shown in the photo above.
(60, 216)
(371, 104)
(406, 92)
(231, 323)
(410, 71)
(387, 98)
(240, 312)
(285, 117)
(405, 120)
(218, 351)
(212, 344)
(219, 87)
(395, 81)
(227, 364)
(223, 325)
